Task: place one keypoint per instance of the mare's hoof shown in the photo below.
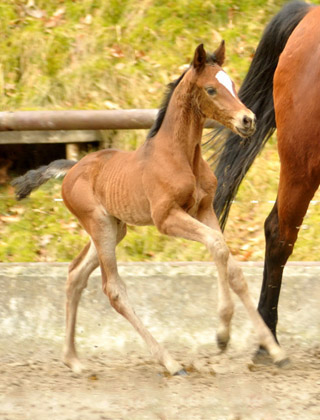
(181, 372)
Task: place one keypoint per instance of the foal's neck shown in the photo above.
(181, 129)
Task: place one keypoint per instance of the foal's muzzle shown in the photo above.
(246, 125)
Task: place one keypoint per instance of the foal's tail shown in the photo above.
(233, 156)
(31, 180)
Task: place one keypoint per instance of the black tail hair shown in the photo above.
(31, 180)
(233, 155)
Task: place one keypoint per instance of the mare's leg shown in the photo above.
(79, 272)
(281, 231)
(178, 223)
(104, 234)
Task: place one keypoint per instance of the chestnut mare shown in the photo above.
(284, 94)
(165, 183)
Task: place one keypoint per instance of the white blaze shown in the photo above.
(225, 80)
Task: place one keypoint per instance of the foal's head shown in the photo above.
(214, 92)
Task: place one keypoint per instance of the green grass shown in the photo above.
(99, 54)
(122, 52)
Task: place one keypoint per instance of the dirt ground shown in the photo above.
(177, 303)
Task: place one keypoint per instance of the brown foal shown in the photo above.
(165, 183)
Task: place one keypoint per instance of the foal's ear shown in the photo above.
(219, 53)
(200, 57)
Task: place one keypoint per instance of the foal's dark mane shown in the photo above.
(163, 109)
(211, 59)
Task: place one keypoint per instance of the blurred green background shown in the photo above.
(107, 54)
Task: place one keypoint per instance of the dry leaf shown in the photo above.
(116, 51)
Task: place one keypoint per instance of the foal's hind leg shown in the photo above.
(79, 272)
(113, 286)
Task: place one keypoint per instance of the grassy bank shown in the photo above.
(121, 53)
(106, 54)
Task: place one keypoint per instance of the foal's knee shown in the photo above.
(219, 248)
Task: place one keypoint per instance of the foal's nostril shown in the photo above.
(247, 125)
(247, 121)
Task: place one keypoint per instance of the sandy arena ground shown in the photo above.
(178, 304)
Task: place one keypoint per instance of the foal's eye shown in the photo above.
(211, 91)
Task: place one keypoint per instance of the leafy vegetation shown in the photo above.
(100, 54)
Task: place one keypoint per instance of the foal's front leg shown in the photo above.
(179, 223)
(240, 287)
(225, 302)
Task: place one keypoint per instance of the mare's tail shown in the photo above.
(233, 155)
(31, 180)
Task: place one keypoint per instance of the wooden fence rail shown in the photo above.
(71, 127)
(77, 120)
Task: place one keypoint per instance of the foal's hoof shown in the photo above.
(181, 372)
(262, 357)
(284, 363)
(75, 365)
(222, 342)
